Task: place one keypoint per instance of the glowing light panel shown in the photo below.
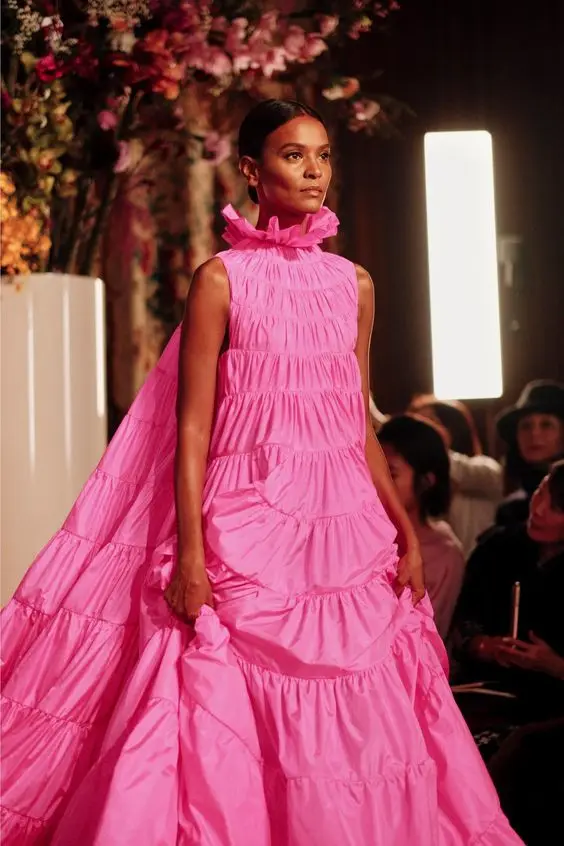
(463, 269)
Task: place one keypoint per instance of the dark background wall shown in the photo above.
(463, 64)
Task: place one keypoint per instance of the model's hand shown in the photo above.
(188, 592)
(410, 572)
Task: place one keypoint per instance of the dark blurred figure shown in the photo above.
(533, 431)
(528, 772)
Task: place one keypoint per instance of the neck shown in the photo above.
(286, 218)
(416, 520)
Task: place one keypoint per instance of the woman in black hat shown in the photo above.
(533, 430)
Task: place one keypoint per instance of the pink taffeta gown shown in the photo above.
(311, 707)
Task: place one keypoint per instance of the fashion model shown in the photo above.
(229, 643)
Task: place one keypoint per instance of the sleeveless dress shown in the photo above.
(311, 707)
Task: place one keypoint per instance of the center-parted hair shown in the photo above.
(266, 117)
(422, 447)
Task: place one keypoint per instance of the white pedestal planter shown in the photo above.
(53, 408)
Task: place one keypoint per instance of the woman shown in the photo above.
(530, 666)
(419, 465)
(477, 479)
(310, 706)
(533, 431)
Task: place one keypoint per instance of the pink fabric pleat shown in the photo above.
(311, 707)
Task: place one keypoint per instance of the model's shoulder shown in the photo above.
(212, 269)
(353, 270)
(365, 283)
(210, 276)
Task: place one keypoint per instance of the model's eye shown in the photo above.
(293, 157)
(326, 155)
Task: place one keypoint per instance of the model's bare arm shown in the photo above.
(411, 570)
(203, 332)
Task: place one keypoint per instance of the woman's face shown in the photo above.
(294, 172)
(546, 523)
(403, 476)
(540, 437)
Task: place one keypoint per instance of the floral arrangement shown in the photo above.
(83, 82)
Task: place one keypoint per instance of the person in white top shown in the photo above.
(477, 484)
(477, 479)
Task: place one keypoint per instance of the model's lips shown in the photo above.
(315, 191)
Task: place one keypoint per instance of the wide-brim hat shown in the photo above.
(540, 397)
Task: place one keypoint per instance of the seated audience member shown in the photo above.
(530, 666)
(419, 465)
(477, 479)
(533, 431)
(528, 773)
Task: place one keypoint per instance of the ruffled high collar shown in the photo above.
(316, 227)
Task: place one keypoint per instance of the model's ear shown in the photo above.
(250, 170)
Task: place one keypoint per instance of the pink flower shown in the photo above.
(365, 110)
(268, 21)
(242, 60)
(328, 24)
(235, 36)
(107, 120)
(235, 45)
(294, 42)
(313, 47)
(48, 68)
(360, 26)
(273, 61)
(342, 89)
(217, 148)
(124, 158)
(217, 63)
(382, 12)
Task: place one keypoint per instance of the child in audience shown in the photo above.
(419, 464)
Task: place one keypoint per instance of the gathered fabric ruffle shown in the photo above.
(317, 227)
(185, 749)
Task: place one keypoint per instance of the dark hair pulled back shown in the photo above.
(266, 117)
(422, 447)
